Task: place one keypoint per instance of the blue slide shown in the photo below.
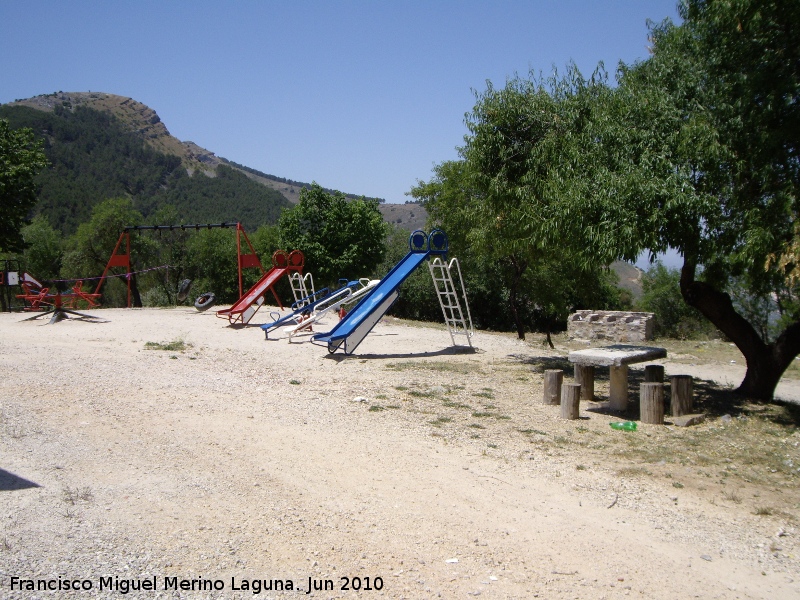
(355, 326)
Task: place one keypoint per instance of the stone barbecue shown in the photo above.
(611, 325)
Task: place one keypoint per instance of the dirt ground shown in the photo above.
(163, 448)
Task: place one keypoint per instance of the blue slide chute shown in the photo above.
(355, 326)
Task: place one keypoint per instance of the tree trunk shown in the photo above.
(765, 362)
(519, 267)
(137, 299)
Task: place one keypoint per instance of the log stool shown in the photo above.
(681, 392)
(570, 400)
(651, 403)
(654, 374)
(553, 378)
(584, 375)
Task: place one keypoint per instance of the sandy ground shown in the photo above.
(411, 467)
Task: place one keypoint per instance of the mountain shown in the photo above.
(103, 145)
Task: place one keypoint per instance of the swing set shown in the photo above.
(121, 255)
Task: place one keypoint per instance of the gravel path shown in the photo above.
(410, 468)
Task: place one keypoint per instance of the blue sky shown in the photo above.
(364, 97)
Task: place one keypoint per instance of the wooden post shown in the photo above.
(618, 392)
(651, 403)
(570, 400)
(681, 394)
(584, 375)
(654, 374)
(553, 378)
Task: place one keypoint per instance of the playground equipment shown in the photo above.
(12, 280)
(248, 304)
(301, 310)
(304, 315)
(357, 324)
(448, 291)
(121, 255)
(301, 284)
(59, 304)
(350, 293)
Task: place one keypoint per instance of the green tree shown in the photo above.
(20, 160)
(509, 277)
(212, 263)
(89, 249)
(339, 238)
(726, 80)
(43, 249)
(661, 295)
(696, 149)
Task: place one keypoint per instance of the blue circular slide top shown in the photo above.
(418, 242)
(437, 241)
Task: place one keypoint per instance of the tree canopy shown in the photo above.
(340, 238)
(694, 149)
(20, 160)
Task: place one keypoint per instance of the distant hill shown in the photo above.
(97, 153)
(103, 145)
(630, 277)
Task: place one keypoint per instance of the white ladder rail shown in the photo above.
(300, 286)
(448, 294)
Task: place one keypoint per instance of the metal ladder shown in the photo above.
(300, 287)
(448, 293)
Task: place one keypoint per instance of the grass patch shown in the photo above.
(439, 421)
(488, 395)
(450, 404)
(173, 346)
(294, 382)
(732, 497)
(480, 415)
(635, 471)
(376, 408)
(477, 426)
(438, 366)
(74, 495)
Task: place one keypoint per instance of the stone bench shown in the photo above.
(617, 358)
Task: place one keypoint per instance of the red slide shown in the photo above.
(246, 306)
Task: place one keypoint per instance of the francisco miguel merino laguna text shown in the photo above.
(255, 586)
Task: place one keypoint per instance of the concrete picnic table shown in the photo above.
(617, 357)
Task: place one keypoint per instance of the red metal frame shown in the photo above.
(39, 298)
(244, 260)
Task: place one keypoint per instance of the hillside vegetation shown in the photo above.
(94, 156)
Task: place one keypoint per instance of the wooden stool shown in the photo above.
(570, 400)
(553, 378)
(681, 392)
(651, 403)
(584, 375)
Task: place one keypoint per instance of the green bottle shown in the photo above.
(625, 426)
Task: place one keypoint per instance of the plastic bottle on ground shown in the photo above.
(624, 426)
